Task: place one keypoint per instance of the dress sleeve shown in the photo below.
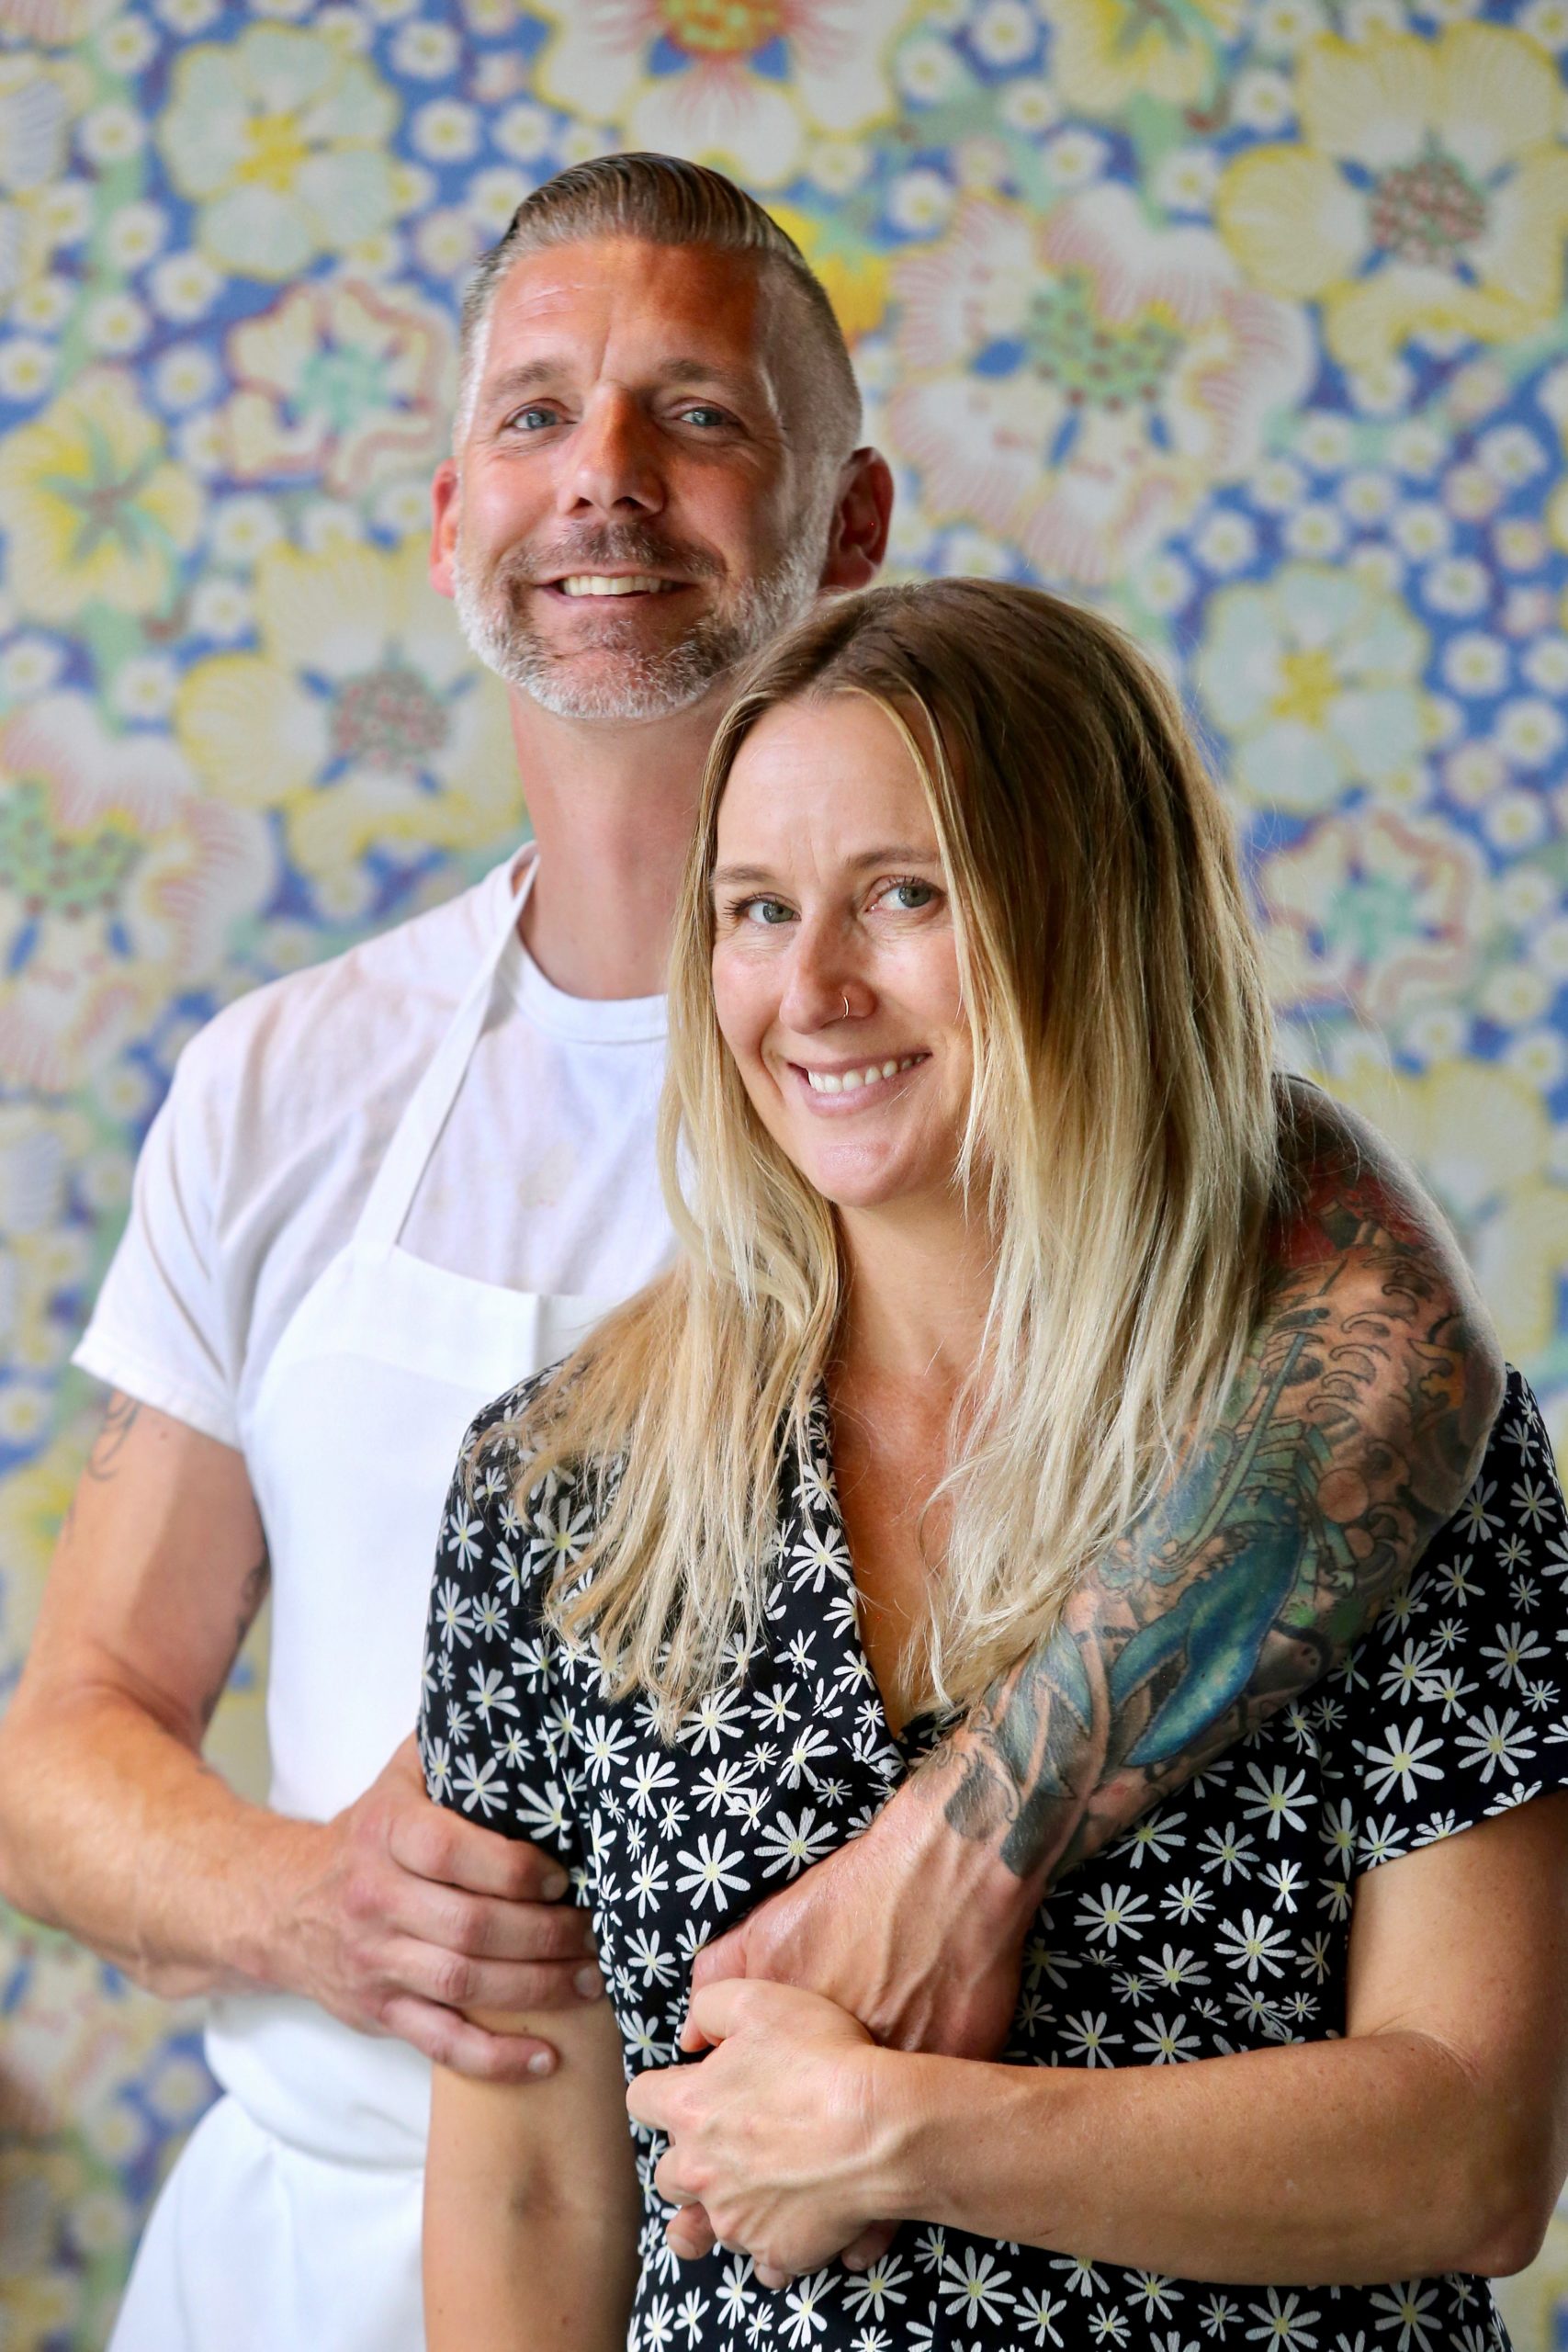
(157, 1330)
(494, 1736)
(1455, 1702)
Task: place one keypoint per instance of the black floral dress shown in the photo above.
(1218, 1924)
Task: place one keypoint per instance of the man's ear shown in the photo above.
(442, 525)
(858, 540)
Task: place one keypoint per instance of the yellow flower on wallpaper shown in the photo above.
(1379, 911)
(854, 273)
(120, 882)
(1428, 191)
(93, 509)
(285, 142)
(1108, 51)
(739, 83)
(1481, 1136)
(364, 717)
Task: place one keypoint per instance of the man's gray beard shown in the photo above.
(640, 685)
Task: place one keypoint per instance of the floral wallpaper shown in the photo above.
(1242, 318)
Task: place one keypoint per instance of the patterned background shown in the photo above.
(1242, 318)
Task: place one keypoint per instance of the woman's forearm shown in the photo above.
(1341, 2162)
(504, 2277)
(531, 2203)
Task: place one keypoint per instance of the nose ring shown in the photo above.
(846, 1004)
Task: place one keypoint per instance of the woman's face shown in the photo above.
(835, 970)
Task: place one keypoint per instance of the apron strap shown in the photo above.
(407, 1156)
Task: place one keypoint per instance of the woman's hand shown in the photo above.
(778, 2134)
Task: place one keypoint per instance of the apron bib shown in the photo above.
(351, 1443)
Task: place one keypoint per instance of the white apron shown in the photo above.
(291, 2222)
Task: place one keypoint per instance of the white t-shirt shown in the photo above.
(256, 1169)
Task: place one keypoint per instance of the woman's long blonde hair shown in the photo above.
(1121, 1144)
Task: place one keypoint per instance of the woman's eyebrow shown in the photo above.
(892, 854)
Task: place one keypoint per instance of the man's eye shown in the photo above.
(532, 418)
(701, 414)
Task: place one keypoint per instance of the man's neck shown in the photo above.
(613, 805)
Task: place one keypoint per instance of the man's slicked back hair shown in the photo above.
(663, 200)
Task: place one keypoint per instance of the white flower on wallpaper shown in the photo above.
(1079, 381)
(742, 84)
(120, 883)
(284, 143)
(1315, 679)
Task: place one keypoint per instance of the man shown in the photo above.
(382, 1190)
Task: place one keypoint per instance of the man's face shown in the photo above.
(634, 511)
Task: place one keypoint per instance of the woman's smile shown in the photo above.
(836, 1089)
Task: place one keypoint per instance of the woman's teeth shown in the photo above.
(844, 1081)
(598, 584)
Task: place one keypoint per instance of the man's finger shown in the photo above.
(457, 1981)
(450, 2040)
(435, 1844)
(485, 1928)
(870, 2246)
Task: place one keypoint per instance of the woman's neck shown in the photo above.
(918, 1293)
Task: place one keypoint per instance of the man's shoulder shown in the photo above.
(346, 1016)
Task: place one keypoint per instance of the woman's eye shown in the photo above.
(767, 912)
(911, 896)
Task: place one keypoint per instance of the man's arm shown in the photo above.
(1353, 1432)
(393, 1916)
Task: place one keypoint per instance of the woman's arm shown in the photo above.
(1433, 2138)
(530, 2202)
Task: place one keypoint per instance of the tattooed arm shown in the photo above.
(1350, 1434)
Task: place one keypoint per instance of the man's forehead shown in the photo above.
(653, 304)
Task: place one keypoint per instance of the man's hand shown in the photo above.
(412, 1915)
(915, 1931)
(393, 1916)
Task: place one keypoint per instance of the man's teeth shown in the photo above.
(599, 583)
(844, 1081)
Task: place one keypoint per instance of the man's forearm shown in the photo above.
(112, 1829)
(1349, 1435)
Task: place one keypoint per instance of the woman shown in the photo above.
(973, 1139)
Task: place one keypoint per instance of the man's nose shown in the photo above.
(610, 460)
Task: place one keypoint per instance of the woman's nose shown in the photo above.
(824, 987)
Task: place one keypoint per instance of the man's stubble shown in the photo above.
(625, 680)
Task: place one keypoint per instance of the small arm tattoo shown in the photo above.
(120, 1417)
(1349, 1435)
(253, 1592)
